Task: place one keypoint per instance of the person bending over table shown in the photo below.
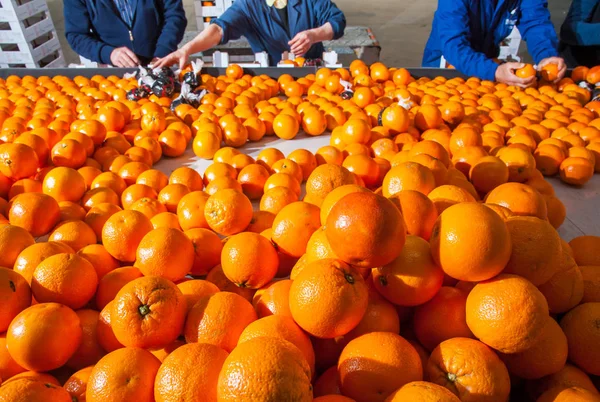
(274, 26)
(468, 33)
(580, 34)
(124, 33)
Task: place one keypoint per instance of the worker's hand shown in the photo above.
(301, 43)
(179, 56)
(560, 63)
(124, 57)
(505, 73)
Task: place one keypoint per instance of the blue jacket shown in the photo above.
(579, 28)
(262, 26)
(468, 33)
(94, 28)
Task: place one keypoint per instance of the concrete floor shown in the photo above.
(402, 27)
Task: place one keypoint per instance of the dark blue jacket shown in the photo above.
(580, 34)
(94, 28)
(468, 33)
(262, 25)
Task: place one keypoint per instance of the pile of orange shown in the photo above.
(414, 258)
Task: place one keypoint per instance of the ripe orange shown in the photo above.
(569, 394)
(123, 232)
(579, 325)
(13, 240)
(423, 391)
(475, 249)
(412, 278)
(16, 295)
(30, 390)
(18, 161)
(521, 199)
(76, 385)
(249, 260)
(195, 368)
(44, 336)
(219, 319)
(408, 176)
(331, 283)
(487, 313)
(281, 372)
(36, 212)
(107, 377)
(385, 361)
(165, 252)
(190, 210)
(293, 226)
(228, 212)
(89, 351)
(148, 312)
(273, 299)
(576, 170)
(64, 184)
(488, 377)
(75, 234)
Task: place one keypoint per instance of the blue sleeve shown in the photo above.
(452, 17)
(537, 29)
(234, 21)
(78, 30)
(576, 30)
(173, 28)
(327, 11)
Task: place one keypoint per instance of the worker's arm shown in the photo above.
(577, 30)
(173, 27)
(331, 24)
(452, 17)
(227, 27)
(78, 31)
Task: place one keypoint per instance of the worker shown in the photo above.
(124, 33)
(467, 34)
(580, 34)
(274, 26)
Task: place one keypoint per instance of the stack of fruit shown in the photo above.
(414, 258)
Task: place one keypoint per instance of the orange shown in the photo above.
(488, 173)
(536, 249)
(385, 361)
(281, 372)
(18, 161)
(526, 71)
(165, 252)
(334, 284)
(148, 312)
(153, 178)
(293, 226)
(148, 206)
(576, 170)
(195, 289)
(75, 234)
(318, 246)
(123, 232)
(422, 391)
(281, 327)
(325, 178)
(89, 351)
(76, 385)
(583, 250)
(108, 379)
(101, 260)
(16, 295)
(566, 287)
(546, 357)
(273, 299)
(408, 176)
(249, 260)
(520, 163)
(136, 192)
(447, 195)
(207, 250)
(171, 195)
(364, 167)
(356, 131)
(188, 177)
(447, 306)
(450, 362)
(283, 180)
(520, 199)
(29, 390)
(13, 240)
(548, 158)
(412, 278)
(165, 220)
(290, 167)
(112, 282)
(190, 210)
(487, 309)
(475, 249)
(253, 178)
(305, 159)
(569, 394)
(219, 319)
(428, 117)
(65, 184)
(217, 277)
(285, 126)
(580, 328)
(228, 212)
(371, 247)
(44, 336)
(418, 211)
(172, 142)
(56, 276)
(314, 122)
(8, 367)
(68, 153)
(431, 148)
(98, 215)
(196, 368)
(110, 180)
(37, 213)
(275, 198)
(568, 376)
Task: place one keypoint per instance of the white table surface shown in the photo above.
(582, 203)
